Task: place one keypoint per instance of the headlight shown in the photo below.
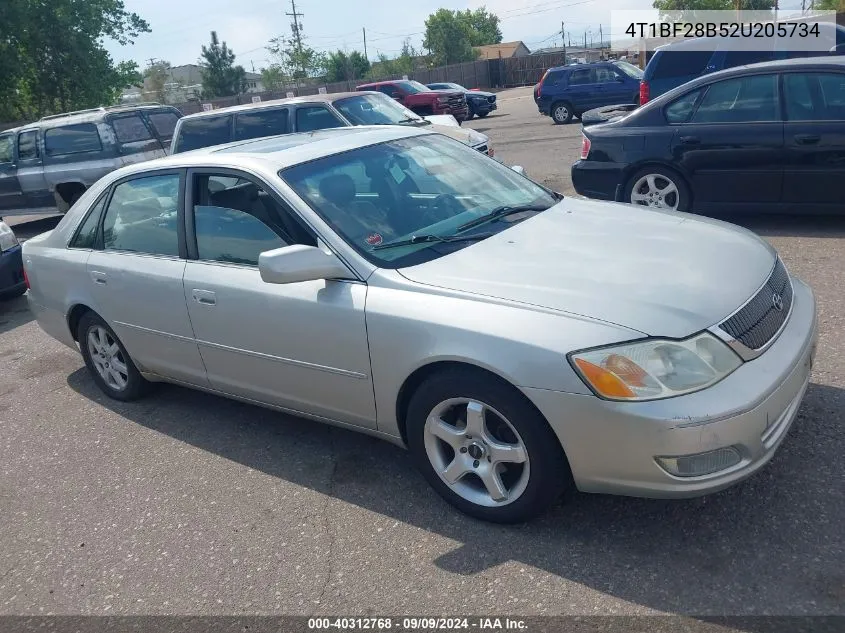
(655, 368)
(7, 237)
(443, 99)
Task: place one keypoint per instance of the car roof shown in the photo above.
(284, 150)
(577, 66)
(798, 63)
(275, 103)
(93, 115)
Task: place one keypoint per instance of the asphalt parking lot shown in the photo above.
(186, 503)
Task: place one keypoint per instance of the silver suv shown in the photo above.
(47, 165)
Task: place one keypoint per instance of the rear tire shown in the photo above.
(504, 462)
(108, 361)
(658, 187)
(561, 112)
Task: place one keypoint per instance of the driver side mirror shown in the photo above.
(292, 264)
(519, 169)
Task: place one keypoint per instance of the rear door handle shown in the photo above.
(807, 139)
(690, 140)
(99, 277)
(204, 297)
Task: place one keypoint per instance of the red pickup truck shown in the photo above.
(421, 99)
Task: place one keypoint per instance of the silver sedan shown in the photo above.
(396, 282)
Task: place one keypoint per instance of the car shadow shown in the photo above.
(772, 544)
(14, 313)
(776, 225)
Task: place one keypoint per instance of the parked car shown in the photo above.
(479, 103)
(422, 100)
(11, 264)
(675, 64)
(46, 166)
(764, 138)
(304, 114)
(568, 91)
(396, 282)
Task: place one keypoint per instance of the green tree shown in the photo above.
(483, 26)
(714, 5)
(830, 5)
(406, 63)
(273, 77)
(449, 38)
(52, 57)
(297, 61)
(343, 67)
(155, 76)
(220, 76)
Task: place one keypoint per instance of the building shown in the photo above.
(505, 50)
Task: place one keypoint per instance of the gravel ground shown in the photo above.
(186, 503)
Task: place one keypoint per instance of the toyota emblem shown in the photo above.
(777, 302)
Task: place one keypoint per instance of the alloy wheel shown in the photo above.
(657, 191)
(108, 358)
(477, 452)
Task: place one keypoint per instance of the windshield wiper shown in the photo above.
(500, 212)
(415, 121)
(421, 239)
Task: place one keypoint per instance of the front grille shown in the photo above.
(457, 103)
(760, 319)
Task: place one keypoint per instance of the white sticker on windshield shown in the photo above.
(397, 173)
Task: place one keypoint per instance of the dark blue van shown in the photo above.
(567, 91)
(675, 64)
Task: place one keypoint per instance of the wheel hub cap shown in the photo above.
(476, 450)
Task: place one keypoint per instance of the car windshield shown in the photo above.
(629, 69)
(411, 87)
(376, 109)
(424, 186)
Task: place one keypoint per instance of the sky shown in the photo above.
(179, 29)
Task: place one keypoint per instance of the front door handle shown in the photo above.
(690, 140)
(204, 297)
(807, 139)
(99, 277)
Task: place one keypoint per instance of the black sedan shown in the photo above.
(761, 138)
(479, 103)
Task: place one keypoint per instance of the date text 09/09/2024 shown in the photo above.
(723, 29)
(416, 624)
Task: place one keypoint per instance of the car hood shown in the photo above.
(664, 274)
(467, 136)
(479, 93)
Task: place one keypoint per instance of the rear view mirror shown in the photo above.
(292, 264)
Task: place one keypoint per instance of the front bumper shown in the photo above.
(11, 272)
(612, 446)
(597, 179)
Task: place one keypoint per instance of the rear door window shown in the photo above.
(604, 75)
(814, 96)
(163, 123)
(6, 144)
(672, 64)
(741, 100)
(204, 132)
(315, 118)
(28, 145)
(130, 129)
(72, 139)
(581, 77)
(142, 216)
(264, 122)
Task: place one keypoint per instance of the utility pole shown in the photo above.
(563, 41)
(601, 43)
(296, 28)
(364, 29)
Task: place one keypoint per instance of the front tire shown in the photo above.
(108, 361)
(484, 447)
(481, 115)
(561, 112)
